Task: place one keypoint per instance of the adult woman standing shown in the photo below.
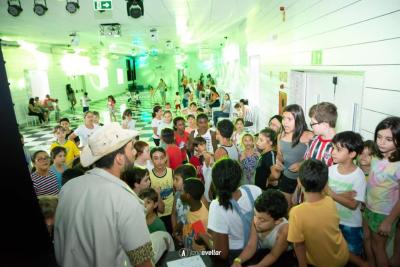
(71, 96)
(162, 87)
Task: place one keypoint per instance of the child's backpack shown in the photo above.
(247, 217)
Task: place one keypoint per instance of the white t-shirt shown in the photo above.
(84, 133)
(177, 100)
(208, 138)
(129, 124)
(85, 101)
(149, 165)
(354, 181)
(228, 221)
(156, 123)
(164, 125)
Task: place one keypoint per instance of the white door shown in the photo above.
(39, 83)
(348, 99)
(346, 95)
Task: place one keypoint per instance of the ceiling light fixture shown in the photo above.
(14, 8)
(40, 8)
(135, 8)
(72, 6)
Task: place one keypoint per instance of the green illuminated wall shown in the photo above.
(19, 61)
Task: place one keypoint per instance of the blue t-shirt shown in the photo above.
(58, 174)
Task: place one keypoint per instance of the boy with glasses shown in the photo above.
(323, 122)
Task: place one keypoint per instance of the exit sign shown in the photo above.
(316, 57)
(102, 4)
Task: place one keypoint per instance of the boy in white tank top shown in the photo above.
(269, 230)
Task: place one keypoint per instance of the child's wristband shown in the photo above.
(237, 260)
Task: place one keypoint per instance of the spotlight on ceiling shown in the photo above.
(40, 8)
(134, 8)
(72, 6)
(14, 8)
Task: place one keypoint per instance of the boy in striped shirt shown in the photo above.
(323, 118)
(323, 122)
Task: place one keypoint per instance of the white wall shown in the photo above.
(354, 36)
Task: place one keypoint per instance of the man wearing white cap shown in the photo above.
(99, 220)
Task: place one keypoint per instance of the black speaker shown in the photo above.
(129, 75)
(128, 64)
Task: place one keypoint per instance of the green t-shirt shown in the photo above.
(157, 225)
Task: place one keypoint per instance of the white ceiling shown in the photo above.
(189, 24)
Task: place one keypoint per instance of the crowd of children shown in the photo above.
(291, 190)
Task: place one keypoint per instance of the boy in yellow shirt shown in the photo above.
(72, 150)
(314, 224)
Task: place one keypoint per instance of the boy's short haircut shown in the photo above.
(201, 116)
(199, 141)
(70, 174)
(168, 136)
(350, 140)
(194, 187)
(324, 112)
(48, 205)
(168, 104)
(176, 119)
(237, 105)
(57, 150)
(134, 175)
(190, 116)
(186, 171)
(225, 128)
(193, 104)
(63, 119)
(149, 193)
(96, 113)
(371, 147)
(157, 149)
(200, 110)
(167, 111)
(272, 202)
(313, 175)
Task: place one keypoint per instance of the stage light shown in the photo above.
(72, 6)
(14, 8)
(134, 8)
(40, 8)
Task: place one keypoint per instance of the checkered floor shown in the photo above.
(41, 137)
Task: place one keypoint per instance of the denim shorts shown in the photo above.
(354, 237)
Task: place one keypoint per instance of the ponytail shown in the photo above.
(155, 110)
(226, 175)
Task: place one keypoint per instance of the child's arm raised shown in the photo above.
(300, 249)
(161, 204)
(173, 217)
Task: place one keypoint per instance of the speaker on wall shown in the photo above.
(129, 75)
